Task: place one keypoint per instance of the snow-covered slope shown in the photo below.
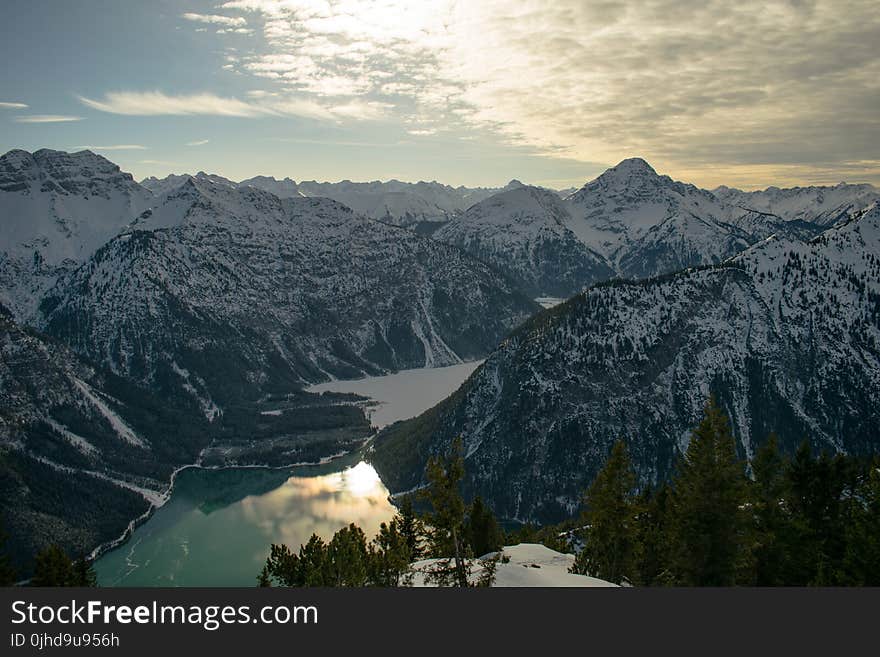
(646, 224)
(239, 292)
(523, 565)
(630, 222)
(825, 206)
(160, 186)
(56, 210)
(786, 335)
(522, 233)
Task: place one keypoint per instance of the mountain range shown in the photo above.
(148, 325)
(786, 335)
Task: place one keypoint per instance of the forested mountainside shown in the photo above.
(82, 451)
(786, 335)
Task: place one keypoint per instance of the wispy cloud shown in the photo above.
(115, 147)
(156, 103)
(13, 105)
(199, 142)
(46, 118)
(216, 19)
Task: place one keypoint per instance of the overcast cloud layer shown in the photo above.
(755, 90)
(712, 92)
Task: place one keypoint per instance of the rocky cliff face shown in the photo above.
(56, 209)
(787, 335)
(233, 292)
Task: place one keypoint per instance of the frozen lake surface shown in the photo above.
(405, 394)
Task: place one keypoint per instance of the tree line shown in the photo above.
(52, 567)
(803, 520)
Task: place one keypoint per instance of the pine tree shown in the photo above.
(863, 531)
(446, 520)
(83, 573)
(709, 497)
(389, 556)
(652, 537)
(313, 563)
(482, 530)
(283, 566)
(610, 517)
(818, 494)
(346, 558)
(770, 527)
(410, 528)
(264, 579)
(52, 567)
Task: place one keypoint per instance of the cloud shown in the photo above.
(200, 142)
(115, 147)
(691, 85)
(13, 106)
(216, 19)
(46, 118)
(156, 103)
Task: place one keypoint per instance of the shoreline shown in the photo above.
(133, 524)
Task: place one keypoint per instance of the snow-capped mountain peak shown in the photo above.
(56, 210)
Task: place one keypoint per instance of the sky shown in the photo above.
(466, 92)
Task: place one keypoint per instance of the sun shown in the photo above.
(362, 480)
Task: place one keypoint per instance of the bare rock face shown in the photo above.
(56, 210)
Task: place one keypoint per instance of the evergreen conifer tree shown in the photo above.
(389, 556)
(447, 517)
(610, 516)
(264, 579)
(771, 525)
(84, 573)
(482, 529)
(709, 496)
(52, 567)
(346, 558)
(652, 537)
(410, 528)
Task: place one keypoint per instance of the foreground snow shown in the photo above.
(530, 565)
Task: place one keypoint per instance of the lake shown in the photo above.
(217, 526)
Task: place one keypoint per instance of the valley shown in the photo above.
(226, 331)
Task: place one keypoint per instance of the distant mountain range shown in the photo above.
(142, 323)
(393, 202)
